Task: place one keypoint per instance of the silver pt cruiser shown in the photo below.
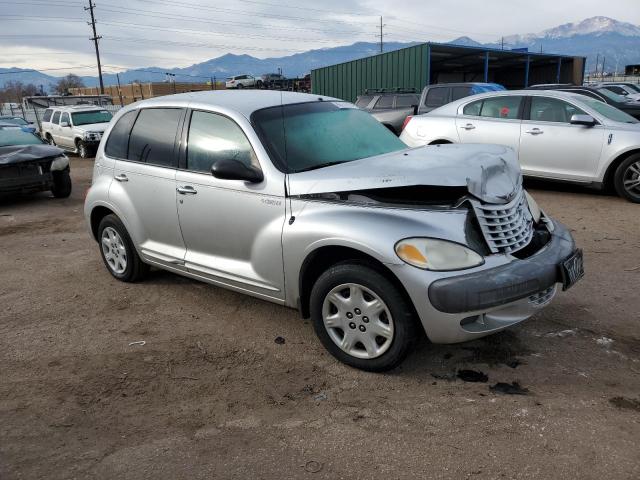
(308, 202)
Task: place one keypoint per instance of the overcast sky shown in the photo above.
(53, 34)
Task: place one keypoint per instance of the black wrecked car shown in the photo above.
(28, 164)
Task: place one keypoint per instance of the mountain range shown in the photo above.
(596, 37)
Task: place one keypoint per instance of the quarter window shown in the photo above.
(118, 141)
(56, 118)
(545, 109)
(436, 97)
(153, 136)
(47, 115)
(364, 100)
(213, 137)
(473, 108)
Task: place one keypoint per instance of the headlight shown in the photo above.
(536, 213)
(59, 163)
(439, 255)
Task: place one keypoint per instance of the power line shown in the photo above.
(192, 44)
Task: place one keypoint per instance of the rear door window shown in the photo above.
(118, 141)
(386, 101)
(153, 137)
(460, 92)
(506, 108)
(406, 101)
(436, 97)
(56, 118)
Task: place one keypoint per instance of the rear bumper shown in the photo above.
(504, 284)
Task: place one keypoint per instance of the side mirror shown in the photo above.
(586, 120)
(64, 124)
(228, 169)
(415, 109)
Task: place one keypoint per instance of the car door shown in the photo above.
(65, 137)
(491, 120)
(232, 229)
(144, 186)
(551, 146)
(55, 127)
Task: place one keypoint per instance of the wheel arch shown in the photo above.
(440, 141)
(97, 214)
(325, 257)
(608, 179)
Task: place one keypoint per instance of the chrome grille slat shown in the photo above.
(508, 227)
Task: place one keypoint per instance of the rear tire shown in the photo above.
(377, 341)
(61, 187)
(627, 179)
(240, 86)
(50, 140)
(117, 251)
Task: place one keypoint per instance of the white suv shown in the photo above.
(243, 81)
(78, 129)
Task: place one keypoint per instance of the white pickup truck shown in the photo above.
(77, 129)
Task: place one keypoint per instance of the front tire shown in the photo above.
(117, 251)
(361, 317)
(627, 179)
(240, 86)
(61, 187)
(82, 149)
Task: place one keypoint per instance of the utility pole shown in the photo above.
(502, 42)
(95, 39)
(119, 89)
(381, 36)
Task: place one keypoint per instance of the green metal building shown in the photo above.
(429, 63)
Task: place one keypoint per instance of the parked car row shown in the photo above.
(270, 81)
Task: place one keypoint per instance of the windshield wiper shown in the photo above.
(322, 165)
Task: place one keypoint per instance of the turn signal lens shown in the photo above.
(438, 255)
(536, 213)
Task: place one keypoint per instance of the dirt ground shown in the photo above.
(212, 395)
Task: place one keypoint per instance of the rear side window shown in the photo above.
(47, 115)
(153, 136)
(386, 101)
(213, 137)
(56, 118)
(405, 101)
(460, 92)
(364, 100)
(118, 141)
(507, 108)
(436, 97)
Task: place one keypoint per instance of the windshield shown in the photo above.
(14, 120)
(608, 111)
(306, 136)
(17, 136)
(634, 87)
(95, 116)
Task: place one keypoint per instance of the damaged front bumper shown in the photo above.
(456, 308)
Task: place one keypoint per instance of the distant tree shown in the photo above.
(65, 83)
(14, 90)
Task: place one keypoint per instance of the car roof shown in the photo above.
(75, 108)
(242, 101)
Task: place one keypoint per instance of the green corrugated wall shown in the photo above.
(405, 68)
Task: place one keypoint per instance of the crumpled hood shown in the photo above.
(93, 127)
(26, 153)
(491, 173)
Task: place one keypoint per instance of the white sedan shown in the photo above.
(557, 135)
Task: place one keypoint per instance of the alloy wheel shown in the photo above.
(631, 178)
(114, 250)
(358, 321)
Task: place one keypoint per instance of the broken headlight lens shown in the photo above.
(434, 254)
(536, 213)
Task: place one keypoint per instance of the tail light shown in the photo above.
(406, 122)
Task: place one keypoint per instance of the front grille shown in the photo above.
(506, 228)
(543, 297)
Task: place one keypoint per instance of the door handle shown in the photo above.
(121, 178)
(186, 190)
(468, 126)
(535, 131)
